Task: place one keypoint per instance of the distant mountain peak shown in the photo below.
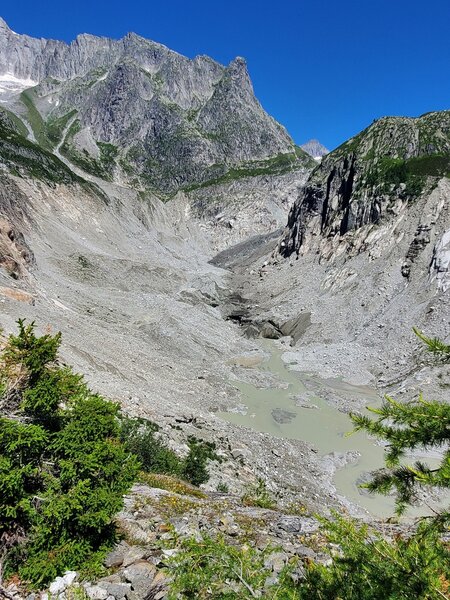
(315, 149)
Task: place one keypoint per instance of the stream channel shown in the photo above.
(300, 411)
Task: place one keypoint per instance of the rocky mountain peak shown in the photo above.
(315, 149)
(170, 122)
(370, 182)
(238, 67)
(237, 70)
(135, 112)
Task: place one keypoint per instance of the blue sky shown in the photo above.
(323, 68)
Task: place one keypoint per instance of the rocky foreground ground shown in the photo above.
(158, 518)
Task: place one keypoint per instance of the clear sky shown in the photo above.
(323, 68)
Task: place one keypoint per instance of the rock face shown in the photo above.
(315, 149)
(373, 181)
(133, 110)
(440, 265)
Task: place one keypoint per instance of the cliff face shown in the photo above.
(135, 111)
(373, 181)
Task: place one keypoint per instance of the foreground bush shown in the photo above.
(370, 567)
(67, 457)
(365, 566)
(63, 469)
(214, 569)
(140, 437)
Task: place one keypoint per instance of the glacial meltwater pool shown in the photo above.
(299, 411)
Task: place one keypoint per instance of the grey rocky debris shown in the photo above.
(174, 518)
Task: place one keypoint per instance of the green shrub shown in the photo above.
(63, 469)
(194, 466)
(434, 345)
(211, 568)
(22, 447)
(29, 352)
(140, 437)
(259, 495)
(368, 567)
(407, 427)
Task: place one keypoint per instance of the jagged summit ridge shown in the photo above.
(134, 110)
(37, 59)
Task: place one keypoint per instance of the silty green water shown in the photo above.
(325, 427)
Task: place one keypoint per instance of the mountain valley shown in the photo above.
(156, 215)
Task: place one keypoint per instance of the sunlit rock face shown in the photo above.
(363, 193)
(170, 122)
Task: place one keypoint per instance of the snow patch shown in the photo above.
(9, 83)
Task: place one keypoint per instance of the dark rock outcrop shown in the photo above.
(369, 181)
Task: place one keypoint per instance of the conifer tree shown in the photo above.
(409, 426)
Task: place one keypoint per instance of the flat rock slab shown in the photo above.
(280, 415)
(138, 571)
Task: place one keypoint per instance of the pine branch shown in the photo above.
(434, 345)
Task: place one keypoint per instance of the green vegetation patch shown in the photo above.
(141, 438)
(214, 569)
(435, 165)
(277, 165)
(16, 123)
(370, 567)
(259, 495)
(413, 172)
(108, 155)
(101, 167)
(35, 119)
(54, 128)
(47, 133)
(170, 484)
(21, 155)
